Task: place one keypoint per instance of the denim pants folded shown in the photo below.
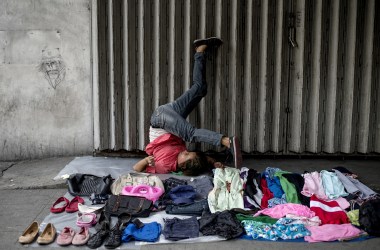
(177, 229)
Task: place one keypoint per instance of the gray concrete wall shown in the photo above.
(45, 78)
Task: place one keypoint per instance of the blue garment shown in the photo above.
(282, 229)
(274, 186)
(172, 116)
(149, 232)
(332, 185)
(276, 201)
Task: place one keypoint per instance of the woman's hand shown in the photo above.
(218, 164)
(150, 160)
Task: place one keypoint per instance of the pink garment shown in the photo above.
(313, 185)
(342, 202)
(331, 232)
(165, 150)
(282, 210)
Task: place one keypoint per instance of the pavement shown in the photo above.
(27, 191)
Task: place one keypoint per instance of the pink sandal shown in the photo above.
(86, 219)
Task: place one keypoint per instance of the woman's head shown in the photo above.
(192, 163)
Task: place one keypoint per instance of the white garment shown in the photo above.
(154, 133)
(228, 190)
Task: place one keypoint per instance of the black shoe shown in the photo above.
(96, 240)
(113, 239)
(236, 152)
(211, 42)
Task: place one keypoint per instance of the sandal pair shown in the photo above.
(68, 206)
(86, 219)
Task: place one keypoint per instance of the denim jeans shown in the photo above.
(172, 116)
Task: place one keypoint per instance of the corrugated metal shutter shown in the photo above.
(292, 76)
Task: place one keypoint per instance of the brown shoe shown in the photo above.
(29, 235)
(48, 235)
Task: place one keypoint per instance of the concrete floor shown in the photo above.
(27, 191)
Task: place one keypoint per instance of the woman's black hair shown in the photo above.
(196, 166)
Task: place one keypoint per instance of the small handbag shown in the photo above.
(134, 179)
(86, 184)
(146, 191)
(134, 206)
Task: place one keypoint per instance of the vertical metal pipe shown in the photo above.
(263, 76)
(126, 136)
(315, 79)
(218, 72)
(332, 79)
(247, 119)
(297, 81)
(95, 74)
(277, 77)
(171, 48)
(187, 51)
(232, 66)
(349, 74)
(156, 51)
(365, 94)
(140, 79)
(111, 77)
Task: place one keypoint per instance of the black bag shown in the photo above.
(369, 217)
(194, 209)
(173, 182)
(86, 184)
(132, 205)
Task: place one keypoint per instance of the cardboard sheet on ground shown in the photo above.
(102, 166)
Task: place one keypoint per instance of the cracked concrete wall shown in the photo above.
(45, 79)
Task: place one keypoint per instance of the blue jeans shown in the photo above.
(172, 116)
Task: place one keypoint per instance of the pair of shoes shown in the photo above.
(30, 233)
(69, 236)
(86, 219)
(113, 239)
(236, 152)
(97, 239)
(211, 42)
(48, 235)
(68, 206)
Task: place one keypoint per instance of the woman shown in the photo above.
(169, 129)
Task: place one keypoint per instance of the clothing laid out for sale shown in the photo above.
(228, 190)
(232, 203)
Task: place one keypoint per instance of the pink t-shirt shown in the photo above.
(165, 150)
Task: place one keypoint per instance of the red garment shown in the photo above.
(328, 211)
(165, 150)
(267, 194)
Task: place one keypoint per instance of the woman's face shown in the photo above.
(185, 156)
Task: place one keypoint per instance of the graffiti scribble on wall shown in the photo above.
(52, 66)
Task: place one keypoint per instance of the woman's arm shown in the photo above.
(141, 165)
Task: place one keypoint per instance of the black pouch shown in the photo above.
(135, 206)
(86, 184)
(369, 217)
(194, 209)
